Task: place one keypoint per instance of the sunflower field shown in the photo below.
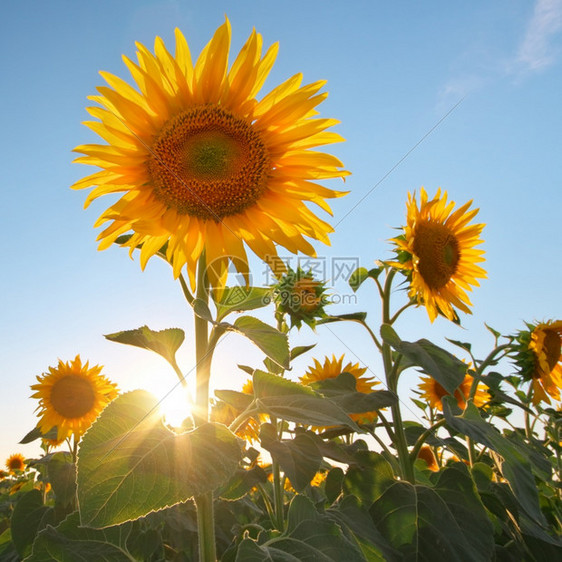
(322, 465)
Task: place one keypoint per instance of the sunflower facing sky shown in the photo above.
(432, 391)
(202, 164)
(539, 357)
(71, 396)
(437, 251)
(331, 369)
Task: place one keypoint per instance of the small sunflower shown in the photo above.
(204, 165)
(538, 355)
(301, 297)
(331, 369)
(437, 251)
(71, 396)
(15, 462)
(432, 391)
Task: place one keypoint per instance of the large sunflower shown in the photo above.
(437, 250)
(331, 369)
(540, 360)
(202, 164)
(71, 396)
(433, 392)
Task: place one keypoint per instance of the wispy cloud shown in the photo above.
(535, 51)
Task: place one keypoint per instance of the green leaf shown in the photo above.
(165, 342)
(515, 467)
(68, 542)
(241, 483)
(333, 486)
(299, 458)
(368, 478)
(300, 350)
(130, 464)
(238, 299)
(270, 340)
(353, 317)
(349, 513)
(30, 515)
(267, 385)
(238, 400)
(457, 489)
(342, 391)
(250, 551)
(438, 363)
(416, 521)
(36, 433)
(62, 476)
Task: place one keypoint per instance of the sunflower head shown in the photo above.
(426, 455)
(331, 369)
(537, 352)
(15, 462)
(71, 396)
(437, 253)
(202, 164)
(301, 297)
(433, 392)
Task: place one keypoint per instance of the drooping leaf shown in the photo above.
(201, 309)
(241, 483)
(36, 433)
(300, 350)
(299, 458)
(438, 363)
(342, 391)
(69, 542)
(130, 464)
(164, 342)
(352, 317)
(238, 299)
(288, 400)
(270, 340)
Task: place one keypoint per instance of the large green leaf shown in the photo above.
(29, 516)
(69, 542)
(238, 299)
(457, 489)
(164, 342)
(299, 458)
(294, 402)
(438, 363)
(515, 467)
(368, 477)
(416, 521)
(374, 546)
(270, 340)
(130, 464)
(342, 391)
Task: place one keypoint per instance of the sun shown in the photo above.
(438, 254)
(174, 402)
(204, 166)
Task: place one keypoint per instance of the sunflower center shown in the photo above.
(438, 253)
(552, 348)
(72, 396)
(208, 163)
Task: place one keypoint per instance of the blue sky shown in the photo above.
(394, 71)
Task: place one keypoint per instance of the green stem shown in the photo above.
(392, 383)
(422, 438)
(278, 490)
(204, 502)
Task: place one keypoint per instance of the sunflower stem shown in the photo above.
(392, 374)
(204, 502)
